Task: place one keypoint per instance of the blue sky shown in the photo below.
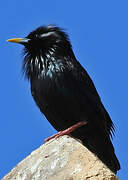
(98, 31)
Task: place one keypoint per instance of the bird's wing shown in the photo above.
(85, 87)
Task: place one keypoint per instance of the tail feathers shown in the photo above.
(104, 150)
(98, 141)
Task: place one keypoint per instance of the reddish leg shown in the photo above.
(67, 131)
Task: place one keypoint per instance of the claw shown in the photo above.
(66, 131)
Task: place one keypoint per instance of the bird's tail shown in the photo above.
(103, 148)
(100, 145)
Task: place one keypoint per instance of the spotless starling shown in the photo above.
(64, 92)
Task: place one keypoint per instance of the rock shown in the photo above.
(61, 159)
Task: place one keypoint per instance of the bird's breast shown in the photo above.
(55, 100)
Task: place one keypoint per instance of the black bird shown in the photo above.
(65, 93)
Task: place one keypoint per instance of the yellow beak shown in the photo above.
(19, 40)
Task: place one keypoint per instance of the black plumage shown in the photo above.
(64, 92)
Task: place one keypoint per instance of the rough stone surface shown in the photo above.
(61, 159)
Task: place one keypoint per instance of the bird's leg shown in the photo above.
(67, 131)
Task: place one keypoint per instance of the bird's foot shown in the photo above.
(66, 131)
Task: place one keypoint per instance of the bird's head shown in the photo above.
(43, 39)
(43, 45)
